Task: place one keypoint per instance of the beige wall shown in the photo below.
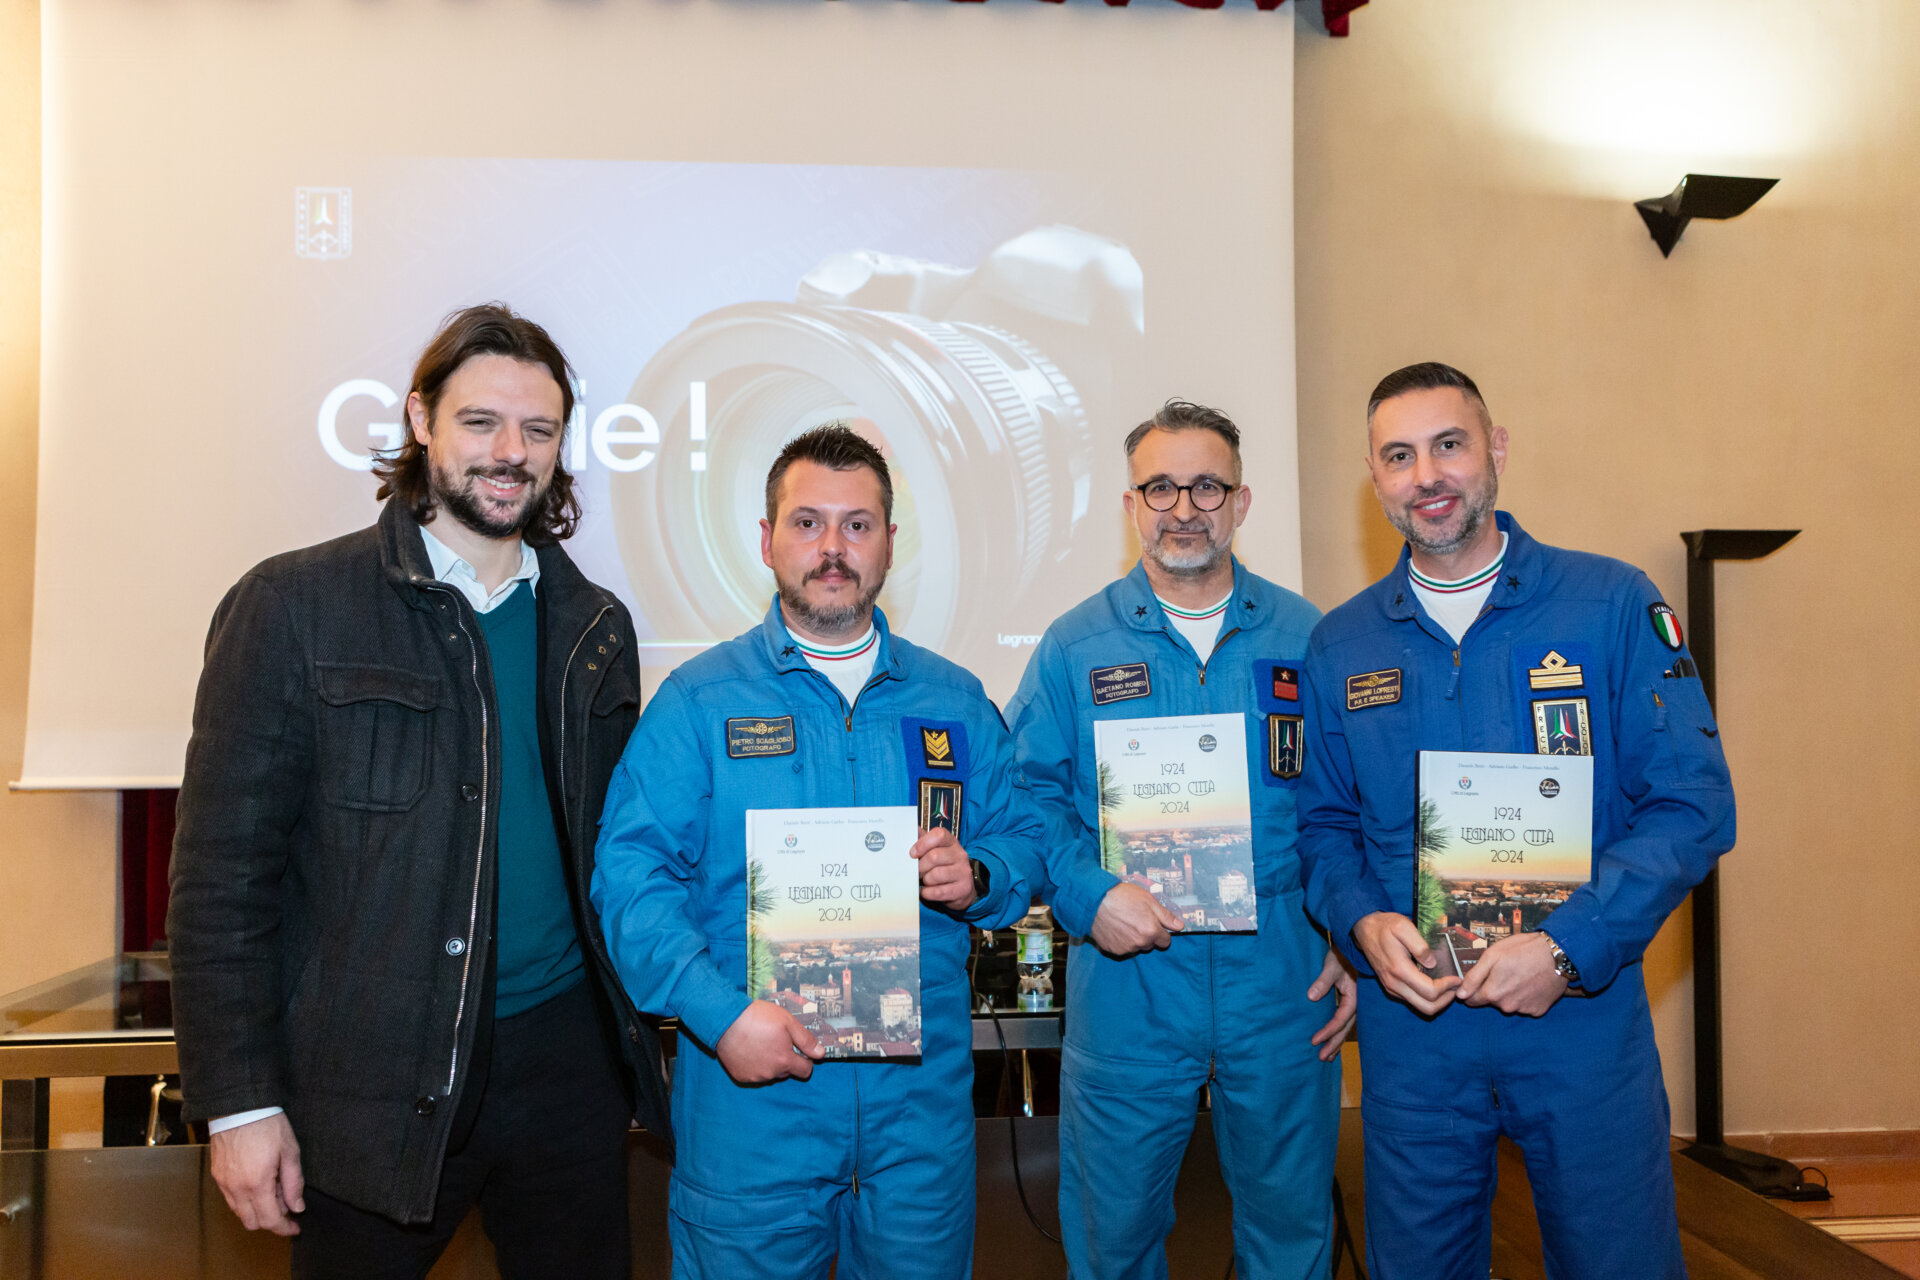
(58, 873)
(1759, 378)
(1463, 182)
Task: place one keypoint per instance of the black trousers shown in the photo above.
(545, 1159)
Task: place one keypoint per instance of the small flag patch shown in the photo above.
(1665, 624)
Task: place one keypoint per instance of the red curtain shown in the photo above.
(146, 850)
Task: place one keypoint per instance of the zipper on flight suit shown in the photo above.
(856, 1128)
(853, 779)
(1216, 648)
(1453, 684)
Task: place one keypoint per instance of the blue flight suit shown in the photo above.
(1143, 1034)
(1579, 1089)
(872, 1160)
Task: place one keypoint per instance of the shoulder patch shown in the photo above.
(1117, 684)
(749, 736)
(1665, 624)
(1373, 689)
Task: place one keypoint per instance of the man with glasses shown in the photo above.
(1153, 1016)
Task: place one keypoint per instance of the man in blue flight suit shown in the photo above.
(1483, 640)
(1151, 1018)
(782, 1163)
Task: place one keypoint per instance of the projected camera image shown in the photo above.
(980, 384)
(969, 321)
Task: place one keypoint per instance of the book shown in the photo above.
(1500, 840)
(833, 925)
(1176, 815)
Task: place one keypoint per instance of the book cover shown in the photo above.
(1176, 815)
(1501, 840)
(833, 925)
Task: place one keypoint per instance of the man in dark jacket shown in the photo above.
(391, 996)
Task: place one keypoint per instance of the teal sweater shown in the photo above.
(536, 949)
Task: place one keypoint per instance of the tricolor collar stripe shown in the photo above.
(854, 650)
(1197, 615)
(1468, 583)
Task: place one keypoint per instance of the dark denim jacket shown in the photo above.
(334, 871)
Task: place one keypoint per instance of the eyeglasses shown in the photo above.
(1206, 493)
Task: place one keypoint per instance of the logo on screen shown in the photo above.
(322, 222)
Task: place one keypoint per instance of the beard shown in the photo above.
(1476, 506)
(463, 501)
(1197, 563)
(834, 620)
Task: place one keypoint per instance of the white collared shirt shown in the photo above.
(449, 568)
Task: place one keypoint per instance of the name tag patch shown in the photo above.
(1561, 727)
(760, 736)
(1286, 745)
(1117, 684)
(1373, 689)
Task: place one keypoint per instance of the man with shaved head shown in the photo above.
(1483, 640)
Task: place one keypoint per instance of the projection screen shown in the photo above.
(995, 235)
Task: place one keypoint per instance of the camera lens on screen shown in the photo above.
(987, 434)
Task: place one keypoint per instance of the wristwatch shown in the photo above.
(1562, 963)
(982, 877)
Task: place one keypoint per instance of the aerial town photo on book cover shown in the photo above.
(833, 921)
(1176, 818)
(1501, 842)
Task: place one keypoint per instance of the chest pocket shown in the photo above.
(374, 738)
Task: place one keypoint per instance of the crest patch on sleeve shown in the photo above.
(1665, 624)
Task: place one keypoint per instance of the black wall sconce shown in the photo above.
(1699, 195)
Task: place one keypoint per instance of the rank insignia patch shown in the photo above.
(1117, 684)
(1286, 684)
(940, 805)
(1665, 625)
(1373, 689)
(1561, 727)
(937, 746)
(750, 736)
(1286, 745)
(1555, 672)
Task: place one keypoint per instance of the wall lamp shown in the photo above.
(1699, 195)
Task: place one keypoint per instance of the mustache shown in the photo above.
(832, 565)
(505, 471)
(1427, 493)
(1185, 526)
